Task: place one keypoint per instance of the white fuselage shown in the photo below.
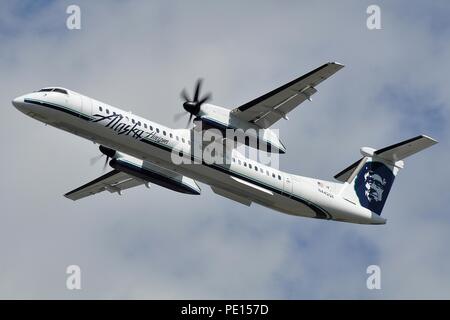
(243, 179)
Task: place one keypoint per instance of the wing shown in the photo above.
(274, 105)
(113, 181)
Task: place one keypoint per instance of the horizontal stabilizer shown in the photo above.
(347, 172)
(402, 150)
(391, 154)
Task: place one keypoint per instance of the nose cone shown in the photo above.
(18, 102)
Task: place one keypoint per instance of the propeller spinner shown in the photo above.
(192, 106)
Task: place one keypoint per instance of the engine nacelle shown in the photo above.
(220, 118)
(150, 172)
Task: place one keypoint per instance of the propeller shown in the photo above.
(106, 163)
(95, 159)
(192, 106)
(109, 153)
(179, 115)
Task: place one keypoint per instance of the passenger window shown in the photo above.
(132, 120)
(178, 139)
(151, 128)
(249, 165)
(279, 177)
(256, 168)
(145, 125)
(182, 139)
(157, 130)
(171, 135)
(245, 164)
(107, 111)
(273, 175)
(164, 132)
(139, 123)
(100, 108)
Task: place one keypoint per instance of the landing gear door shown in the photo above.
(287, 186)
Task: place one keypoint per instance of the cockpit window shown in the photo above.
(54, 90)
(60, 90)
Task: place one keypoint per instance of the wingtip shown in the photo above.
(337, 64)
(432, 140)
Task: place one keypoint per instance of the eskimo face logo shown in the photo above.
(372, 185)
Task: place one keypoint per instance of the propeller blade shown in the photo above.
(197, 89)
(189, 121)
(184, 95)
(205, 98)
(106, 163)
(95, 159)
(178, 116)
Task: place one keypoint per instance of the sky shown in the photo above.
(157, 244)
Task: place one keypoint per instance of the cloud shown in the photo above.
(158, 244)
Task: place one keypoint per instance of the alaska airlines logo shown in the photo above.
(372, 185)
(117, 123)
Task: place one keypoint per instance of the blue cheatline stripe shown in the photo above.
(320, 212)
(59, 108)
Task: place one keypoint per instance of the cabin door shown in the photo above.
(287, 185)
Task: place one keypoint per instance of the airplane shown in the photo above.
(141, 152)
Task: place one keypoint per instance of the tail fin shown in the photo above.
(369, 180)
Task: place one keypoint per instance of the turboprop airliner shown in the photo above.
(141, 152)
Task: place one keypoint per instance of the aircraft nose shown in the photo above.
(17, 102)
